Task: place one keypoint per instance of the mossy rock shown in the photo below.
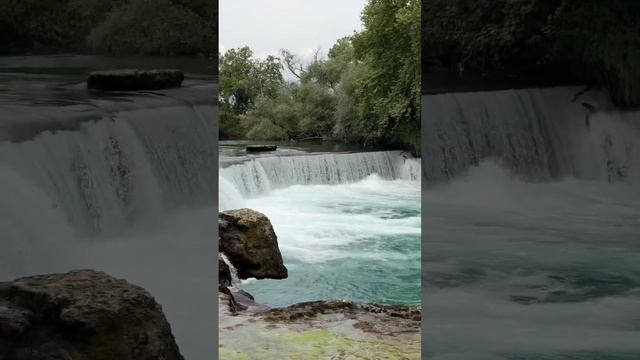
(248, 240)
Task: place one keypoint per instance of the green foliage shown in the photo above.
(366, 91)
(274, 118)
(591, 41)
(316, 108)
(243, 79)
(348, 126)
(149, 27)
(38, 23)
(230, 126)
(390, 92)
(602, 42)
(484, 34)
(136, 27)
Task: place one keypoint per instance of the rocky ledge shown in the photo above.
(260, 148)
(328, 329)
(132, 80)
(82, 315)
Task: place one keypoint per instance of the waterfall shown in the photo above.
(263, 174)
(235, 280)
(113, 171)
(540, 134)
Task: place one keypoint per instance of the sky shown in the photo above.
(301, 26)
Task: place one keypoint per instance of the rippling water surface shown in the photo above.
(348, 224)
(517, 270)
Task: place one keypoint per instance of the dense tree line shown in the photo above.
(365, 91)
(140, 27)
(589, 41)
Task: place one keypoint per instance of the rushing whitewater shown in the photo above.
(261, 175)
(531, 223)
(116, 171)
(348, 224)
(541, 134)
(122, 183)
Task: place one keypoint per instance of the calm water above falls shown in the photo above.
(348, 225)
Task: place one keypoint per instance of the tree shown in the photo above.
(563, 41)
(390, 92)
(243, 79)
(366, 91)
(137, 27)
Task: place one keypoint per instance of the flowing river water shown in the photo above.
(531, 227)
(118, 182)
(348, 223)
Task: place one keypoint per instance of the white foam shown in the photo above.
(489, 236)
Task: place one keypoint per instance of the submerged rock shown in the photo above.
(261, 148)
(82, 315)
(131, 80)
(248, 240)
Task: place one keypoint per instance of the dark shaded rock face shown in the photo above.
(224, 274)
(82, 315)
(260, 148)
(240, 300)
(131, 80)
(249, 242)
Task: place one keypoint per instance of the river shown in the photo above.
(531, 227)
(348, 222)
(119, 182)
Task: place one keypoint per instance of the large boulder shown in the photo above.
(131, 80)
(249, 242)
(82, 315)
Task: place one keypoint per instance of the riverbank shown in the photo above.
(323, 329)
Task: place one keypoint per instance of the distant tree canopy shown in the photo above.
(135, 27)
(592, 41)
(365, 91)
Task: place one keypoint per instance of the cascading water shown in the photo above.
(348, 224)
(122, 183)
(113, 172)
(540, 134)
(531, 224)
(235, 280)
(261, 175)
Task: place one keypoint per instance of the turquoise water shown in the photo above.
(348, 225)
(359, 242)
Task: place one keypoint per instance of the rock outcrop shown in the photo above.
(224, 274)
(325, 329)
(331, 329)
(131, 80)
(82, 315)
(260, 148)
(248, 240)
